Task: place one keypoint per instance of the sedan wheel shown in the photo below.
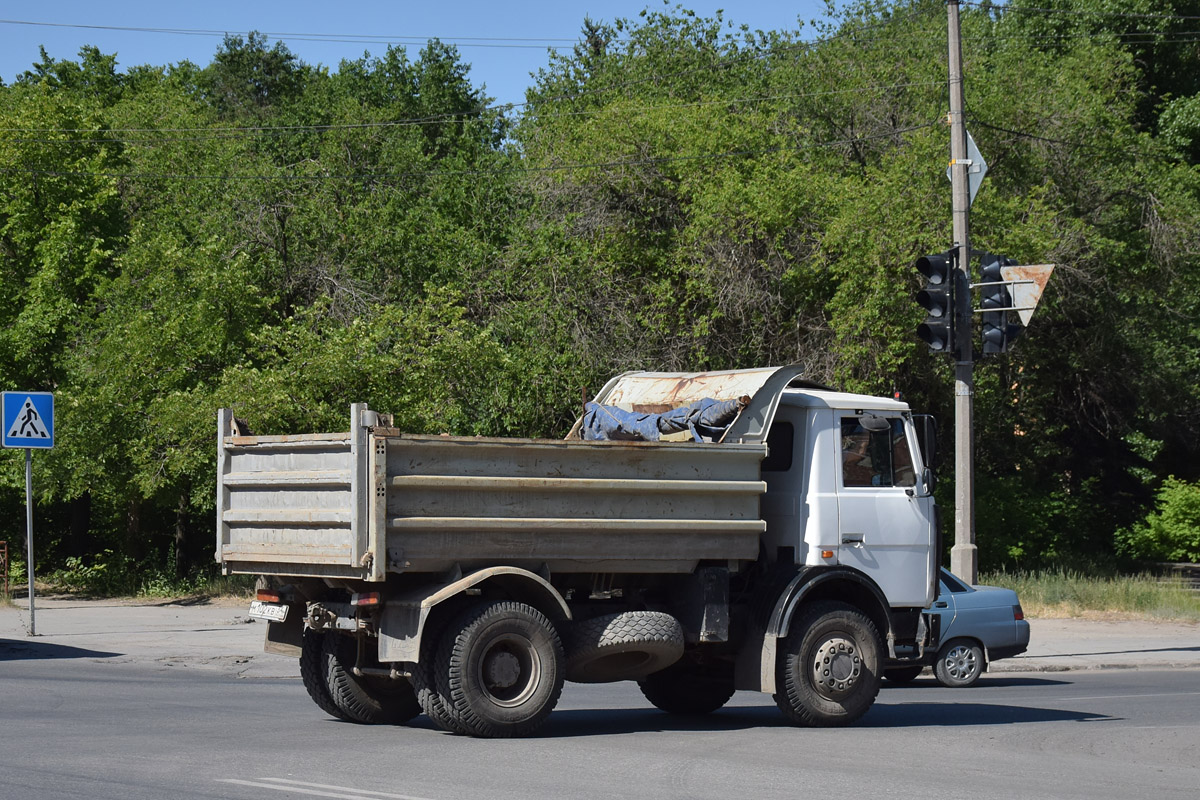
(959, 663)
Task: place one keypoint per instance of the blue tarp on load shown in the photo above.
(705, 418)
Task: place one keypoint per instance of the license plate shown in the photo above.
(276, 612)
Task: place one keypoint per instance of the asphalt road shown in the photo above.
(75, 723)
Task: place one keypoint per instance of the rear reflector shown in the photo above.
(267, 595)
(1018, 613)
(365, 599)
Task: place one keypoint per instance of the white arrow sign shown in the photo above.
(976, 168)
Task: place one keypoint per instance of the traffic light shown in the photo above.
(937, 298)
(995, 299)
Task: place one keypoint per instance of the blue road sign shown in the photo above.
(28, 419)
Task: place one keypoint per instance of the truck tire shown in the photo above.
(424, 680)
(500, 669)
(366, 699)
(620, 647)
(312, 673)
(903, 675)
(829, 666)
(959, 663)
(689, 689)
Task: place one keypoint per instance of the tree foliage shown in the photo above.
(1171, 532)
(679, 192)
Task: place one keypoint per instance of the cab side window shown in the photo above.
(876, 457)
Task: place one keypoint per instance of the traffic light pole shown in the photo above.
(964, 556)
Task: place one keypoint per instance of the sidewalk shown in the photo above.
(222, 637)
(172, 635)
(1067, 644)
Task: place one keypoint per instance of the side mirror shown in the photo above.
(875, 423)
(926, 427)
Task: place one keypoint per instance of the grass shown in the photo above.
(132, 583)
(1049, 594)
(1064, 593)
(111, 574)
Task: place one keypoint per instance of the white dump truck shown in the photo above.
(791, 551)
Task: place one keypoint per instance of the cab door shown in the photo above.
(886, 529)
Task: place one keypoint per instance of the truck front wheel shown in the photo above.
(502, 664)
(829, 666)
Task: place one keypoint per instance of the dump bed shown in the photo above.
(374, 500)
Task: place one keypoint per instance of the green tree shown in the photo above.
(1171, 532)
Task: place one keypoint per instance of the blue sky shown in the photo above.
(504, 66)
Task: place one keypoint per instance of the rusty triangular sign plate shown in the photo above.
(1028, 282)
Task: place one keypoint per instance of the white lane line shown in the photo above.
(297, 789)
(388, 795)
(318, 789)
(1159, 727)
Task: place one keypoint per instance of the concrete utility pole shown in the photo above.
(964, 556)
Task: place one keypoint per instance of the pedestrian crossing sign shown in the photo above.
(28, 419)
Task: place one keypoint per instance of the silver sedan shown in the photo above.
(979, 624)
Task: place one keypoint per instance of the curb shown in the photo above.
(1089, 667)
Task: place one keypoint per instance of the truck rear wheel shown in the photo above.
(424, 679)
(829, 666)
(312, 673)
(368, 699)
(502, 664)
(689, 689)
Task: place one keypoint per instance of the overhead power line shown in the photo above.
(1068, 143)
(1074, 12)
(740, 56)
(351, 38)
(1127, 37)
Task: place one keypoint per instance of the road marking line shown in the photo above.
(318, 789)
(1159, 727)
(346, 789)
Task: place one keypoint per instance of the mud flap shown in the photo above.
(285, 638)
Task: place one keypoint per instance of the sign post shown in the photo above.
(29, 424)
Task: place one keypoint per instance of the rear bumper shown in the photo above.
(1015, 649)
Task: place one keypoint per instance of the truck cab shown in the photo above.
(846, 486)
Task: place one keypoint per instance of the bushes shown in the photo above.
(1169, 533)
(113, 574)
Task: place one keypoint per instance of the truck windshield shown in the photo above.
(876, 458)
